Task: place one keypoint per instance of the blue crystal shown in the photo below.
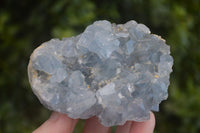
(117, 72)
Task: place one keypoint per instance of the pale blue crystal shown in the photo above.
(117, 72)
(130, 46)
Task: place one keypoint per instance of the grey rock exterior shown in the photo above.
(115, 72)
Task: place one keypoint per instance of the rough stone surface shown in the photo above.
(116, 72)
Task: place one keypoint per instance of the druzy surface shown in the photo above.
(115, 72)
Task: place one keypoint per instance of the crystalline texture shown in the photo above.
(115, 72)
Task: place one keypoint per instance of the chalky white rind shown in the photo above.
(116, 72)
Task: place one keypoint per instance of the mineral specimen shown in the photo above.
(115, 72)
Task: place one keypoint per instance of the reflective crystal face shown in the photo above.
(116, 72)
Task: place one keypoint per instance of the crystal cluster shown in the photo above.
(117, 72)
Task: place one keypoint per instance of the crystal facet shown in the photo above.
(115, 72)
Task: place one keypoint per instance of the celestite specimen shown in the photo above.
(115, 72)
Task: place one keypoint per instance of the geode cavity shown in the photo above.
(116, 72)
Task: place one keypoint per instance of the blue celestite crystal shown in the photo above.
(115, 72)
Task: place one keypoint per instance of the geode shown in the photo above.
(117, 72)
